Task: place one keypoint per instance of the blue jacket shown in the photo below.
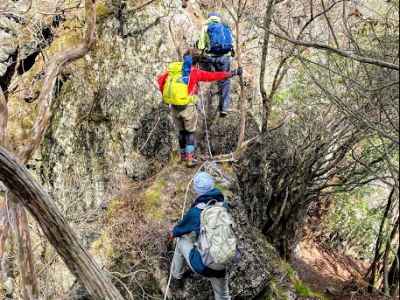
(191, 223)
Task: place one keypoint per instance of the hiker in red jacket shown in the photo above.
(179, 86)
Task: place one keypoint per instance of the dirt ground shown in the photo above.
(330, 273)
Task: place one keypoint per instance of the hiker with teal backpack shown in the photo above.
(216, 42)
(205, 238)
(179, 87)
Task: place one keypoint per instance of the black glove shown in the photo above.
(233, 53)
(237, 72)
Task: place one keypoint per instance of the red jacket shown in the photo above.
(196, 75)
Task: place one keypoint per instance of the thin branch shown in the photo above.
(341, 52)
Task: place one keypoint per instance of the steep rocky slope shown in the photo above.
(107, 158)
(134, 243)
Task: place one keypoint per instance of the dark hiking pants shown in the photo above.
(221, 63)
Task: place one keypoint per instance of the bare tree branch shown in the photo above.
(341, 52)
(265, 99)
(32, 196)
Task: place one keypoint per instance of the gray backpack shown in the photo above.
(217, 242)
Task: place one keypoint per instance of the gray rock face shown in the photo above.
(109, 125)
(109, 130)
(8, 42)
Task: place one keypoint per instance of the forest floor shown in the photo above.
(331, 273)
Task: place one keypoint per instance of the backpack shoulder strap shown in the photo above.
(211, 202)
(201, 206)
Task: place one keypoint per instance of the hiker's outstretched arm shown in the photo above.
(161, 80)
(200, 75)
(189, 223)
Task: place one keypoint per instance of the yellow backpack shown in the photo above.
(175, 91)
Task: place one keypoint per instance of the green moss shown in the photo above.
(304, 291)
(152, 205)
(74, 23)
(64, 41)
(103, 246)
(102, 10)
(113, 206)
(274, 292)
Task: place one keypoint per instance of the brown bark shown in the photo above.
(378, 244)
(24, 249)
(4, 231)
(237, 17)
(394, 274)
(32, 196)
(395, 230)
(242, 99)
(3, 118)
(265, 99)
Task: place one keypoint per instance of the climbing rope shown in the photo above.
(203, 110)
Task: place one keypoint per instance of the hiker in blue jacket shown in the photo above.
(187, 231)
(216, 42)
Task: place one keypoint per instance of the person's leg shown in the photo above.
(183, 247)
(190, 148)
(189, 116)
(180, 126)
(220, 288)
(182, 144)
(224, 86)
(177, 263)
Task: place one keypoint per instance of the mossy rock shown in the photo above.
(153, 199)
(103, 10)
(65, 40)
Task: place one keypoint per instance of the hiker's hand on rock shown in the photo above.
(237, 72)
(233, 53)
(170, 232)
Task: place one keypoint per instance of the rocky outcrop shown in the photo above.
(134, 240)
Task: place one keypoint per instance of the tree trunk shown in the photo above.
(394, 274)
(386, 285)
(32, 196)
(24, 250)
(373, 267)
(242, 99)
(4, 231)
(3, 117)
(265, 99)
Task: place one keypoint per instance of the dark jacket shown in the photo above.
(191, 223)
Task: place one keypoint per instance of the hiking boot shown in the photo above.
(188, 274)
(190, 160)
(223, 114)
(177, 284)
(183, 156)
